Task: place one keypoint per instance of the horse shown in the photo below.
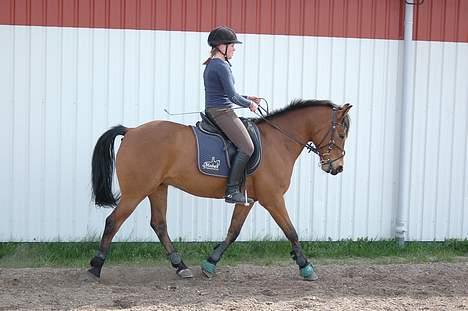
(160, 153)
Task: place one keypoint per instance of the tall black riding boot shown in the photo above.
(233, 194)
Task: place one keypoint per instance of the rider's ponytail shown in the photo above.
(212, 53)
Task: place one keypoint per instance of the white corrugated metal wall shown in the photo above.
(439, 157)
(61, 88)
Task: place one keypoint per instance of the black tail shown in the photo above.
(103, 167)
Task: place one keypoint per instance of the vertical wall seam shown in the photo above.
(330, 69)
(371, 121)
(359, 19)
(439, 137)
(76, 104)
(92, 129)
(27, 190)
(13, 132)
(383, 174)
(453, 130)
(452, 137)
(369, 138)
(345, 74)
(44, 137)
(59, 124)
(384, 134)
(464, 194)
(386, 113)
(426, 138)
(424, 160)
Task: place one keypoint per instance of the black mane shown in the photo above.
(295, 105)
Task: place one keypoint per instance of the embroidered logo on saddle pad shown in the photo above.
(215, 151)
(211, 165)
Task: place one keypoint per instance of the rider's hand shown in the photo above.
(255, 99)
(253, 106)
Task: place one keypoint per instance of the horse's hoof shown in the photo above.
(185, 273)
(208, 269)
(95, 271)
(308, 273)
(207, 274)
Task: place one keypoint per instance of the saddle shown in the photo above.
(215, 151)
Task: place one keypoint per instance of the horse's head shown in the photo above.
(326, 125)
(331, 146)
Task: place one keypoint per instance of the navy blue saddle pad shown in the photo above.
(215, 152)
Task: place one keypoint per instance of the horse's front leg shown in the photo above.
(158, 201)
(277, 209)
(238, 218)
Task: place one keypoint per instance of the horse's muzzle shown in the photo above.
(337, 170)
(333, 170)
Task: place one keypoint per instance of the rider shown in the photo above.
(220, 98)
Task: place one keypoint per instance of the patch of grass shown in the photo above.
(45, 254)
(383, 251)
(60, 254)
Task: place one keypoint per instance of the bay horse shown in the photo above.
(160, 153)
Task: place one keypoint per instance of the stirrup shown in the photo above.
(235, 198)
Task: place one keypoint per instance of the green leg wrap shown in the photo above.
(308, 273)
(208, 267)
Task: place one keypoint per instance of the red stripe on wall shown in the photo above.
(444, 20)
(335, 18)
(438, 20)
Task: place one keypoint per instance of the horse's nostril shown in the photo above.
(339, 169)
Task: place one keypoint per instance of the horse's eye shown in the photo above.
(341, 134)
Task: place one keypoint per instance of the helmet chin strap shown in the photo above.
(225, 54)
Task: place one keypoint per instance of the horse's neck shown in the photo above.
(298, 125)
(304, 125)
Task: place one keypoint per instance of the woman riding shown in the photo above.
(220, 98)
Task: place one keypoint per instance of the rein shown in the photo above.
(307, 145)
(331, 144)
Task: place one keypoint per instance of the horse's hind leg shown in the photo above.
(237, 221)
(158, 200)
(113, 222)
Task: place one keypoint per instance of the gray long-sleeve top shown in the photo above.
(219, 86)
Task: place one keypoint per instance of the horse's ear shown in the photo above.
(345, 108)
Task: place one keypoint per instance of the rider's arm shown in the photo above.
(225, 77)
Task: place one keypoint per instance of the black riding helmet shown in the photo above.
(222, 35)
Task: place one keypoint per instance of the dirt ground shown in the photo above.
(432, 286)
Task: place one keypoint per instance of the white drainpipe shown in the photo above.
(406, 118)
